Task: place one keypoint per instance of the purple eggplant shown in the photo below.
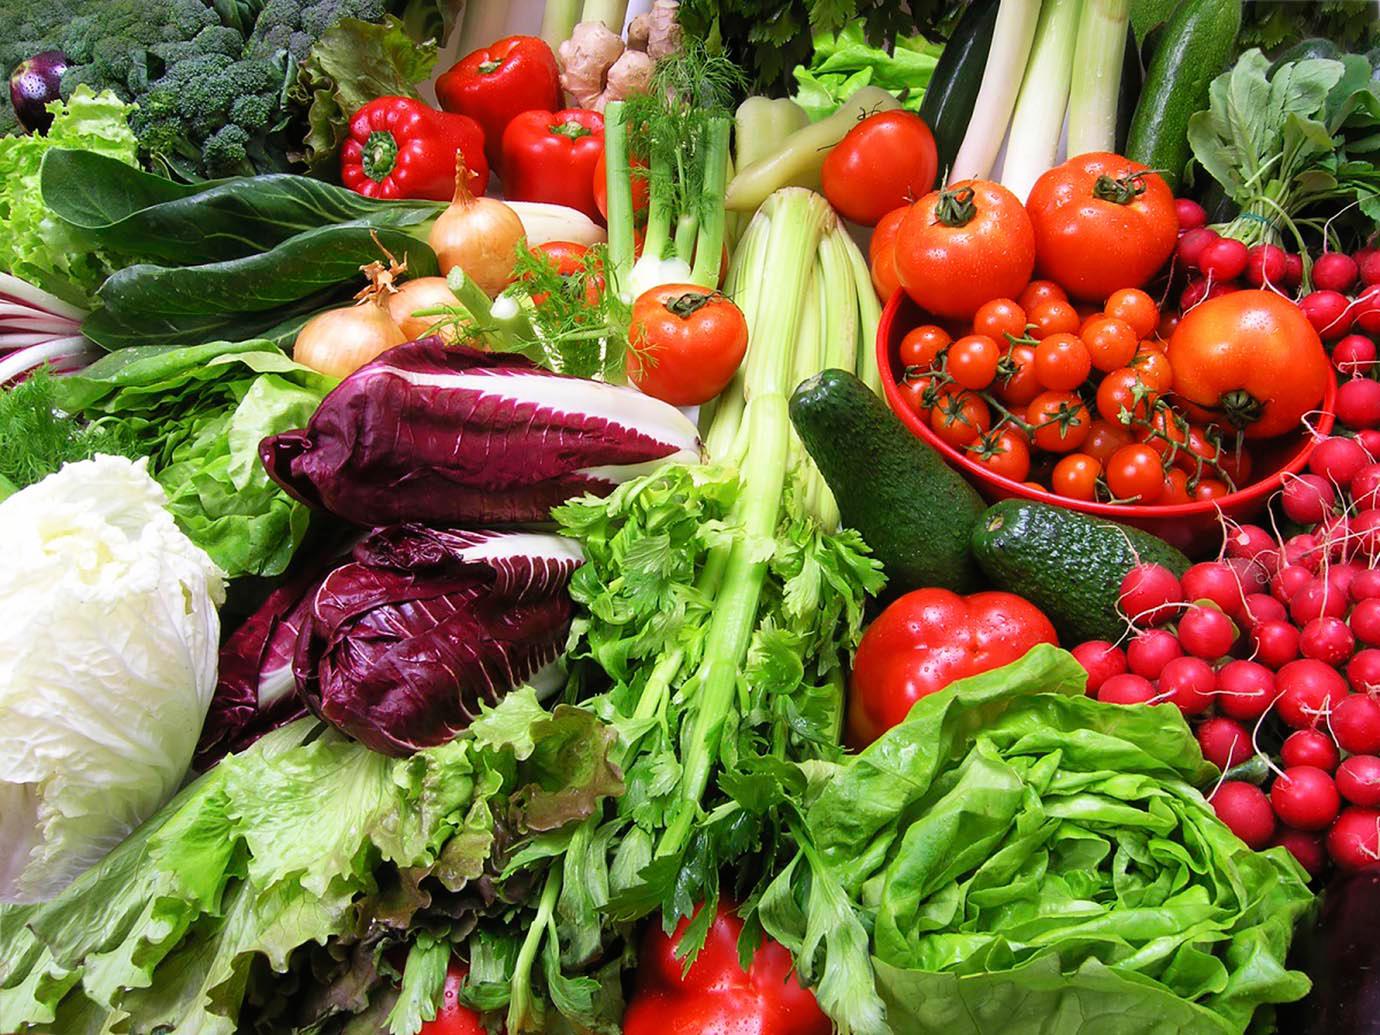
(1341, 954)
(34, 83)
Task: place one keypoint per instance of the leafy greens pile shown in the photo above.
(268, 895)
(843, 63)
(200, 413)
(1015, 847)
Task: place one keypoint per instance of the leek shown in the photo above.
(611, 12)
(1038, 122)
(1001, 79)
(482, 22)
(1097, 75)
(558, 21)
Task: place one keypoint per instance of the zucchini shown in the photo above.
(1197, 42)
(1316, 47)
(953, 87)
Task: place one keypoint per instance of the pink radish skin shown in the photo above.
(1206, 633)
(1365, 622)
(1354, 840)
(1308, 692)
(1246, 812)
(1126, 688)
(1363, 672)
(1305, 846)
(1150, 651)
(1100, 660)
(1305, 798)
(1358, 780)
(1356, 724)
(1327, 312)
(1358, 403)
(1275, 644)
(1189, 684)
(1328, 640)
(1333, 271)
(1354, 355)
(1310, 747)
(1245, 690)
(1149, 593)
(1224, 742)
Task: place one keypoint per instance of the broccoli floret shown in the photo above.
(224, 153)
(218, 39)
(252, 112)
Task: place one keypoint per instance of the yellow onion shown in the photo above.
(417, 295)
(340, 341)
(481, 236)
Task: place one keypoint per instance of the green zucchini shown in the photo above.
(1316, 47)
(954, 85)
(1197, 42)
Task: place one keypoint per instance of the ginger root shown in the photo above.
(597, 67)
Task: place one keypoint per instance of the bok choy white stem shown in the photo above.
(1001, 80)
(1097, 75)
(1033, 143)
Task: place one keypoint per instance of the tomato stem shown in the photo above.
(1119, 189)
(956, 207)
(691, 302)
(1240, 408)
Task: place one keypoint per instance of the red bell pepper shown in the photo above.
(550, 156)
(400, 148)
(716, 996)
(926, 640)
(452, 1018)
(497, 83)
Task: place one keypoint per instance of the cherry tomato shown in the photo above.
(1038, 291)
(1167, 432)
(1252, 359)
(1017, 382)
(569, 259)
(1136, 308)
(1075, 477)
(686, 343)
(960, 417)
(1123, 390)
(1102, 222)
(972, 361)
(1062, 421)
(452, 1017)
(1175, 488)
(1210, 489)
(1111, 342)
(998, 318)
(1104, 439)
(881, 253)
(1062, 362)
(963, 246)
(1135, 474)
(1153, 367)
(886, 160)
(1002, 452)
(1053, 317)
(922, 346)
(917, 393)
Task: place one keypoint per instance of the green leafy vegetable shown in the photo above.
(36, 439)
(352, 63)
(36, 247)
(305, 856)
(1272, 23)
(200, 414)
(844, 63)
(1017, 846)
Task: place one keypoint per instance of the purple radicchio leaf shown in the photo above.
(401, 647)
(452, 436)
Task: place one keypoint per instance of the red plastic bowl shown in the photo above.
(1194, 527)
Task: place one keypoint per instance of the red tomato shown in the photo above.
(918, 395)
(1175, 488)
(1123, 396)
(1062, 362)
(1251, 358)
(881, 253)
(1075, 477)
(641, 189)
(1104, 439)
(1136, 308)
(972, 361)
(1062, 421)
(686, 343)
(960, 417)
(1003, 452)
(1153, 367)
(451, 1017)
(569, 258)
(998, 318)
(1210, 489)
(1040, 291)
(923, 345)
(886, 160)
(927, 639)
(1111, 342)
(1055, 316)
(1101, 223)
(1017, 381)
(1135, 474)
(963, 246)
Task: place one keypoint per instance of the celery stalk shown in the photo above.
(1001, 78)
(719, 421)
(618, 180)
(611, 12)
(1097, 75)
(710, 240)
(869, 317)
(687, 227)
(1033, 144)
(558, 21)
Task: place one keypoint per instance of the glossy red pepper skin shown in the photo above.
(452, 1018)
(550, 156)
(497, 83)
(400, 148)
(716, 996)
(926, 640)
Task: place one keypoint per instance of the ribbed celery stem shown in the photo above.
(618, 180)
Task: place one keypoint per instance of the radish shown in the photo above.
(1215, 581)
(1337, 459)
(1191, 245)
(1191, 214)
(1365, 483)
(1358, 780)
(1316, 599)
(1189, 683)
(1304, 846)
(1365, 533)
(1127, 688)
(1308, 691)
(1224, 742)
(1251, 542)
(1334, 271)
(1261, 607)
(1223, 260)
(1265, 265)
(1206, 632)
(1354, 840)
(1363, 672)
(1245, 690)
(1356, 724)
(1308, 498)
(1354, 355)
(1275, 644)
(1100, 660)
(1368, 265)
(1328, 640)
(1334, 537)
(1194, 292)
(1246, 812)
(1150, 651)
(1310, 747)
(1341, 576)
(1365, 586)
(1365, 621)
(1327, 312)
(1304, 550)
(1369, 438)
(1358, 403)
(1293, 271)
(1305, 797)
(1365, 311)
(1290, 580)
(1148, 593)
